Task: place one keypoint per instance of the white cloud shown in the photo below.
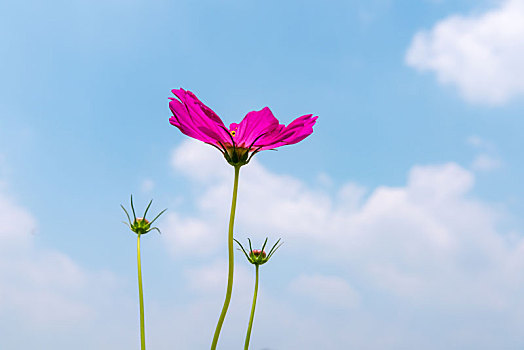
(17, 223)
(485, 162)
(211, 278)
(481, 54)
(41, 289)
(147, 185)
(428, 246)
(325, 180)
(46, 294)
(478, 142)
(331, 291)
(189, 235)
(199, 163)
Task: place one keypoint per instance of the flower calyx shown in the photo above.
(237, 156)
(259, 256)
(141, 225)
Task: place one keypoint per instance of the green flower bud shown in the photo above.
(258, 256)
(141, 225)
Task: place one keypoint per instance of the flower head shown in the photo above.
(141, 225)
(259, 256)
(258, 131)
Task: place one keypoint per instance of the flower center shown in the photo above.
(233, 133)
(257, 252)
(142, 220)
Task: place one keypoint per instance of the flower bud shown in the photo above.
(258, 256)
(141, 225)
(257, 252)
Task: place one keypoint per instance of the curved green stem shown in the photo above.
(250, 326)
(231, 261)
(141, 298)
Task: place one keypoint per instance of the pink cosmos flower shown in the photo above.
(258, 131)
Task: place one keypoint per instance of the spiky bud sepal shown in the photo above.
(259, 256)
(141, 225)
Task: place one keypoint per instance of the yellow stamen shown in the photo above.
(233, 132)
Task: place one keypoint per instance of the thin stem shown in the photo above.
(141, 298)
(231, 261)
(250, 326)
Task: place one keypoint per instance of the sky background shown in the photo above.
(401, 214)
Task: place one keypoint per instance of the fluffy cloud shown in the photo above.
(46, 294)
(147, 185)
(486, 160)
(209, 279)
(35, 280)
(190, 235)
(480, 54)
(331, 291)
(377, 268)
(429, 247)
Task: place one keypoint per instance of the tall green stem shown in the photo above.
(250, 326)
(141, 298)
(231, 261)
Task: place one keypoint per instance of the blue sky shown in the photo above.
(406, 201)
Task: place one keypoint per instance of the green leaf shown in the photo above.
(263, 246)
(275, 248)
(151, 201)
(247, 256)
(250, 247)
(156, 217)
(128, 218)
(133, 208)
(155, 228)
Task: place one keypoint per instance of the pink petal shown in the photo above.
(254, 125)
(183, 121)
(295, 132)
(196, 120)
(259, 130)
